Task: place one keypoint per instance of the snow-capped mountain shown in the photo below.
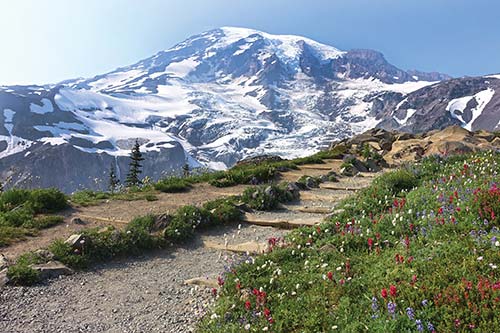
(210, 100)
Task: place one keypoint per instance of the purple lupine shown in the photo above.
(430, 327)
(391, 307)
(374, 304)
(424, 302)
(420, 327)
(410, 313)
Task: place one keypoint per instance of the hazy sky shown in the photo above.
(46, 41)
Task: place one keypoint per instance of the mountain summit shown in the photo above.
(212, 100)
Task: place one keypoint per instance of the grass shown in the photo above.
(416, 251)
(173, 185)
(21, 212)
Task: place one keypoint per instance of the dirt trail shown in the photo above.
(118, 213)
(149, 293)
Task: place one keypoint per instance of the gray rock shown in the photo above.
(349, 171)
(270, 192)
(294, 189)
(77, 241)
(3, 278)
(372, 165)
(4, 262)
(360, 166)
(46, 254)
(77, 220)
(52, 269)
(311, 182)
(161, 222)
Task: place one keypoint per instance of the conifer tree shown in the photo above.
(135, 166)
(185, 170)
(113, 180)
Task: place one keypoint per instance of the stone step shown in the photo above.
(310, 209)
(269, 221)
(339, 187)
(100, 219)
(316, 167)
(319, 196)
(202, 282)
(250, 247)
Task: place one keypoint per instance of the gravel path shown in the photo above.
(142, 294)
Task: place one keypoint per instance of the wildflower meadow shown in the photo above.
(417, 251)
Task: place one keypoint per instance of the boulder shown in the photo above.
(3, 278)
(450, 147)
(349, 171)
(4, 262)
(372, 165)
(294, 189)
(46, 254)
(269, 191)
(243, 207)
(77, 241)
(360, 166)
(52, 269)
(311, 182)
(161, 222)
(77, 220)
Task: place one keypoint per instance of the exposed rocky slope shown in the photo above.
(400, 147)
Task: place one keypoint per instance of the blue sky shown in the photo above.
(46, 41)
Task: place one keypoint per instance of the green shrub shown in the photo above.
(398, 181)
(151, 197)
(64, 253)
(43, 222)
(223, 211)
(302, 181)
(335, 153)
(266, 197)
(144, 223)
(13, 198)
(172, 185)
(47, 200)
(22, 216)
(21, 273)
(178, 230)
(10, 234)
(89, 198)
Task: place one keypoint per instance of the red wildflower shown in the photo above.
(248, 305)
(220, 281)
(238, 286)
(267, 312)
(393, 290)
(370, 243)
(214, 291)
(330, 276)
(384, 293)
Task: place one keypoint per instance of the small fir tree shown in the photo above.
(135, 166)
(113, 180)
(185, 170)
